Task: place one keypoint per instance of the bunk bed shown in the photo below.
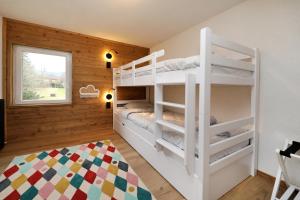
(201, 158)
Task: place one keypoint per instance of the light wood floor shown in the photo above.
(259, 187)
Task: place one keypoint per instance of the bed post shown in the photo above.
(204, 110)
(254, 110)
(133, 73)
(114, 89)
(158, 96)
(190, 123)
(153, 63)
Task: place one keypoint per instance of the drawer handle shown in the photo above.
(123, 124)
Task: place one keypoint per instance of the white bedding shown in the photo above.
(185, 64)
(145, 119)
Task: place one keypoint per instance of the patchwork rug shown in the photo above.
(89, 171)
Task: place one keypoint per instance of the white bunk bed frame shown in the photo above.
(196, 178)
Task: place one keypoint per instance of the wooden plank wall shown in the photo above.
(131, 93)
(89, 67)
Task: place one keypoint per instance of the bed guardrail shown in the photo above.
(128, 72)
(233, 46)
(130, 68)
(231, 125)
(231, 63)
(245, 135)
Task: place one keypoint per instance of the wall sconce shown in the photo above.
(109, 57)
(108, 98)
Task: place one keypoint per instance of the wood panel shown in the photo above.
(131, 93)
(89, 67)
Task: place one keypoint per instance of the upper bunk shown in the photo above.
(221, 61)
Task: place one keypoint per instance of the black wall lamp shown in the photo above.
(109, 57)
(108, 98)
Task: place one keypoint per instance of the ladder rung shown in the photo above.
(179, 152)
(175, 105)
(172, 126)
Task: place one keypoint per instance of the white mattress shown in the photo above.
(185, 64)
(146, 121)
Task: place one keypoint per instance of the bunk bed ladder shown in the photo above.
(189, 129)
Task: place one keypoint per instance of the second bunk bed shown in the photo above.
(200, 156)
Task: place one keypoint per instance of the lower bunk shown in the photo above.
(136, 126)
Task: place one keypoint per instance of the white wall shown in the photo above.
(274, 27)
(1, 92)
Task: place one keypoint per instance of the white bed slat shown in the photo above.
(159, 53)
(227, 80)
(175, 105)
(205, 110)
(221, 42)
(129, 65)
(144, 68)
(171, 126)
(170, 82)
(235, 64)
(144, 59)
(229, 142)
(223, 162)
(171, 147)
(132, 65)
(231, 125)
(288, 193)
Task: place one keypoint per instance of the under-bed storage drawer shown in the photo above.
(118, 117)
(119, 123)
(117, 126)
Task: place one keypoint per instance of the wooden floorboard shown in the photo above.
(257, 188)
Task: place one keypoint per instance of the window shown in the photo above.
(42, 76)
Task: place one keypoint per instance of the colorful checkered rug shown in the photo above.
(89, 171)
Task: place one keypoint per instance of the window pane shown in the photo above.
(43, 77)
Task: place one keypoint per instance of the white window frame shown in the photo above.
(18, 51)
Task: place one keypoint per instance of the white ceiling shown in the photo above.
(139, 22)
